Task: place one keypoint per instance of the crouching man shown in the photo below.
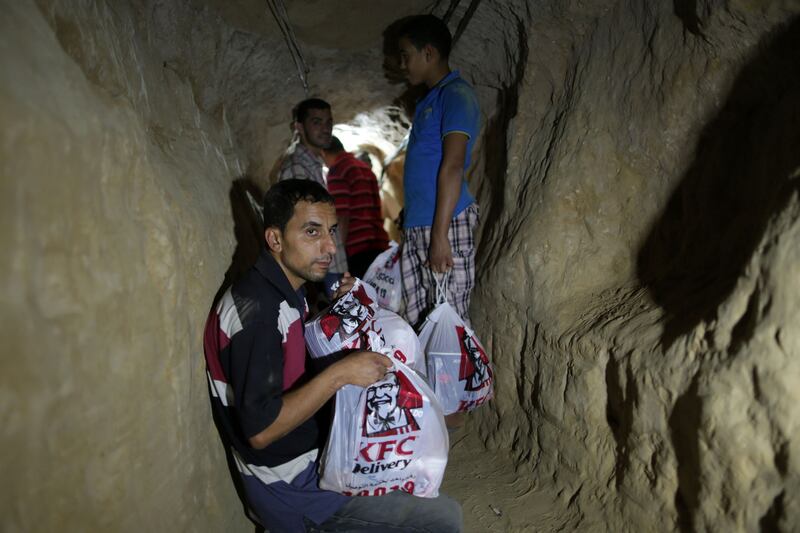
(266, 401)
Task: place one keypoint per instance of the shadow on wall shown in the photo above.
(247, 229)
(738, 180)
(686, 10)
(684, 427)
(495, 139)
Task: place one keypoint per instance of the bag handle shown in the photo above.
(441, 287)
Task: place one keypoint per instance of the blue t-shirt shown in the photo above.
(450, 106)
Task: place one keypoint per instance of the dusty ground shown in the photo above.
(495, 497)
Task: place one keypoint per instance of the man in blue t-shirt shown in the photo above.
(440, 214)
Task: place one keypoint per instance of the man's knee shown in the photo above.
(447, 516)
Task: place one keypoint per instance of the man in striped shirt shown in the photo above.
(354, 188)
(268, 404)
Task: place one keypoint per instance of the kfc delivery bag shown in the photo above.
(399, 340)
(384, 275)
(345, 326)
(459, 370)
(386, 437)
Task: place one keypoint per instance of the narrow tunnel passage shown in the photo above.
(637, 271)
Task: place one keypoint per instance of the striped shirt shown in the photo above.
(355, 190)
(302, 163)
(255, 352)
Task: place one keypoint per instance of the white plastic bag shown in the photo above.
(386, 437)
(399, 340)
(344, 325)
(384, 275)
(347, 323)
(459, 370)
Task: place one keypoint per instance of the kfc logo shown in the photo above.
(474, 367)
(349, 314)
(389, 404)
(375, 455)
(389, 264)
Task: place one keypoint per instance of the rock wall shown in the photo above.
(117, 231)
(636, 276)
(638, 259)
(125, 126)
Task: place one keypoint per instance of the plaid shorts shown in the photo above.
(419, 287)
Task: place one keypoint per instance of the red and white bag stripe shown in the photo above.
(347, 323)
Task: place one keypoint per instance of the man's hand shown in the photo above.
(440, 255)
(345, 284)
(361, 368)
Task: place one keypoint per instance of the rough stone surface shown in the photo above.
(639, 256)
(635, 265)
(116, 230)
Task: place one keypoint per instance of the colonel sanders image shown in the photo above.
(388, 407)
(474, 363)
(348, 315)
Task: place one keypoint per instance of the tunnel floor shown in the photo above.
(495, 497)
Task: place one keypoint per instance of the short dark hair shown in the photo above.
(427, 29)
(280, 199)
(335, 145)
(300, 111)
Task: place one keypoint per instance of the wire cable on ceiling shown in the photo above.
(450, 10)
(462, 24)
(278, 9)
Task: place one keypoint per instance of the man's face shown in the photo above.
(413, 62)
(305, 248)
(382, 397)
(317, 128)
(351, 311)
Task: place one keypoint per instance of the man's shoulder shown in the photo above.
(294, 165)
(301, 163)
(339, 166)
(459, 89)
(256, 301)
(354, 165)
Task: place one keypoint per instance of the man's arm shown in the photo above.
(361, 368)
(454, 153)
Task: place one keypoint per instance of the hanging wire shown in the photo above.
(462, 24)
(278, 9)
(450, 10)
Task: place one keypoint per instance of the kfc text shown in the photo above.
(376, 451)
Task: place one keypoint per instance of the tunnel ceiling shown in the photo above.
(343, 24)
(239, 63)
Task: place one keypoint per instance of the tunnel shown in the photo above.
(637, 264)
